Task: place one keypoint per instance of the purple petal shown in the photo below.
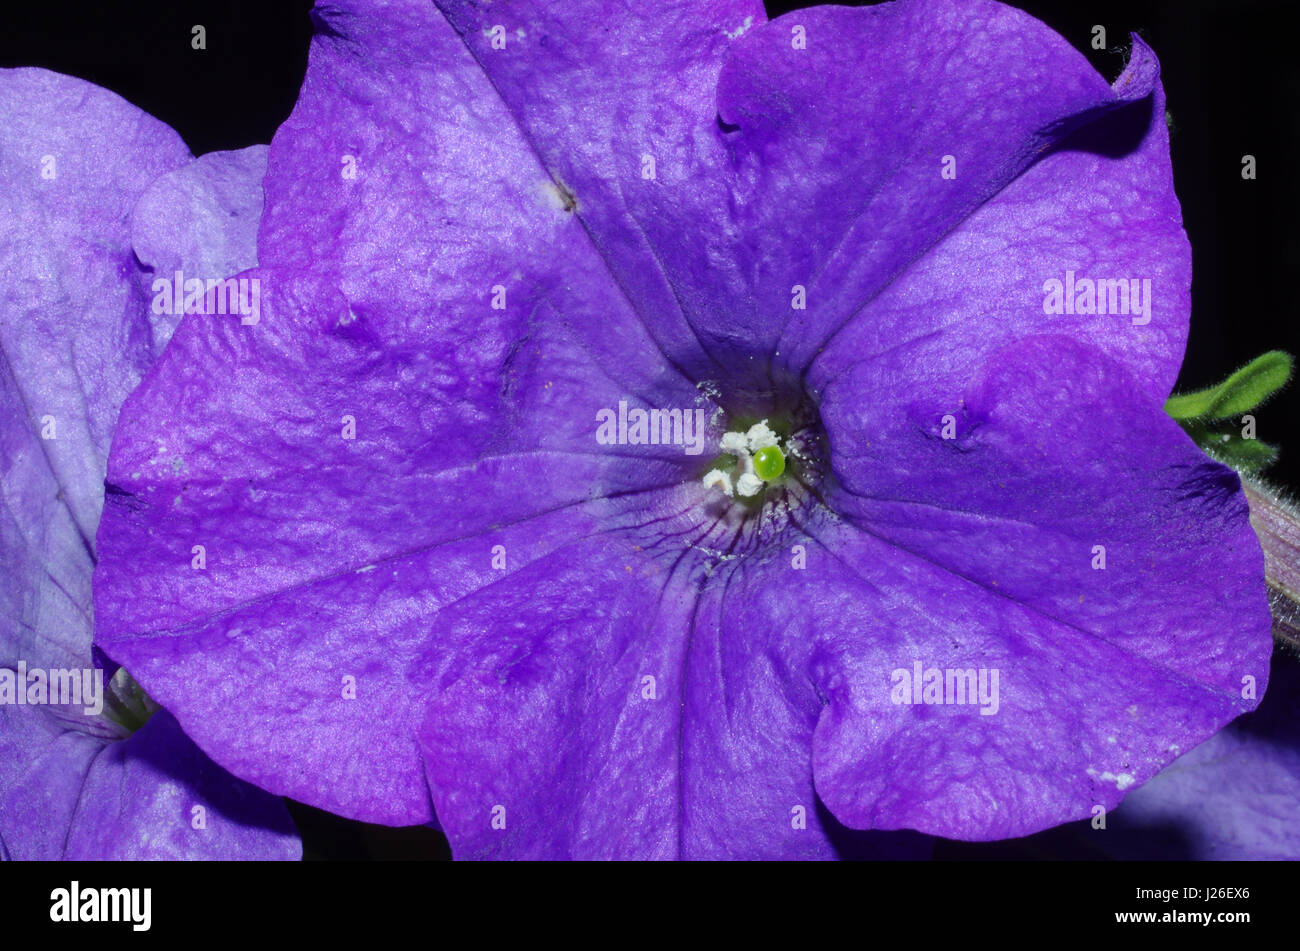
(1232, 797)
(441, 226)
(75, 338)
(1100, 205)
(621, 106)
(571, 719)
(364, 543)
(202, 221)
(839, 151)
(979, 552)
(154, 795)
(66, 342)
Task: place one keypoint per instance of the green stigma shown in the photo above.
(769, 463)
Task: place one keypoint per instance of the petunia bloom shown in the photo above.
(109, 775)
(450, 568)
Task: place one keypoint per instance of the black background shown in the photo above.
(1230, 75)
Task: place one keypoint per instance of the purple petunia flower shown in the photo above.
(96, 771)
(668, 434)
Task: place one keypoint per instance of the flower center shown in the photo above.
(126, 705)
(761, 490)
(758, 460)
(764, 487)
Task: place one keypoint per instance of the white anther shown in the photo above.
(760, 436)
(742, 445)
(748, 484)
(718, 478)
(734, 443)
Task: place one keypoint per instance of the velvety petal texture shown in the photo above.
(487, 409)
(1097, 207)
(75, 338)
(200, 222)
(1231, 798)
(376, 552)
(1094, 571)
(153, 795)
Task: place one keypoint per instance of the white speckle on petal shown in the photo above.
(740, 30)
(1122, 781)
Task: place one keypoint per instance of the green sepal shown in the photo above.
(1224, 442)
(1240, 393)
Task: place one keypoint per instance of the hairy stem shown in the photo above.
(1276, 521)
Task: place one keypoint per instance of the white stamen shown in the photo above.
(748, 484)
(716, 477)
(760, 436)
(734, 443)
(741, 445)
